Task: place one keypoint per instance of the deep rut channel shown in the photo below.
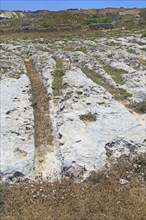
(43, 127)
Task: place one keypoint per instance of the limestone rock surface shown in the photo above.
(83, 143)
(17, 130)
(90, 126)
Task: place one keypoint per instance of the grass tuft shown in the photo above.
(118, 94)
(89, 117)
(143, 35)
(139, 107)
(115, 73)
(58, 74)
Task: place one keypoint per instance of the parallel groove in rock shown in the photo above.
(43, 127)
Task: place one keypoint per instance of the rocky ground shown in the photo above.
(70, 107)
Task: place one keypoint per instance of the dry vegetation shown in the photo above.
(104, 195)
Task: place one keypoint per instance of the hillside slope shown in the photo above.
(20, 20)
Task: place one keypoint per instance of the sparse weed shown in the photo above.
(137, 42)
(119, 94)
(42, 49)
(57, 82)
(58, 74)
(122, 94)
(110, 56)
(131, 51)
(89, 117)
(140, 161)
(144, 49)
(143, 35)
(83, 49)
(139, 107)
(112, 43)
(115, 73)
(42, 61)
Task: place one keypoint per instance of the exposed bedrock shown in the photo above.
(83, 140)
(17, 130)
(90, 122)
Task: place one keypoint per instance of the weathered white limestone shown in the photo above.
(83, 144)
(17, 130)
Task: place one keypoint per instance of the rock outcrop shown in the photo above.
(83, 142)
(91, 127)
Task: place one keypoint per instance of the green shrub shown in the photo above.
(46, 25)
(99, 20)
(143, 13)
(105, 20)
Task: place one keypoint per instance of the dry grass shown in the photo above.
(100, 197)
(64, 34)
